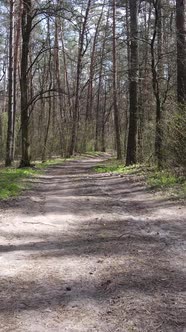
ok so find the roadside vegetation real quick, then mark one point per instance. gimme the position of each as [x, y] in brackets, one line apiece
[14, 180]
[167, 181]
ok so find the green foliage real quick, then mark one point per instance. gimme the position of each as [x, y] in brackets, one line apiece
[166, 181]
[14, 180]
[164, 178]
[176, 139]
[11, 181]
[50, 162]
[115, 166]
[160, 180]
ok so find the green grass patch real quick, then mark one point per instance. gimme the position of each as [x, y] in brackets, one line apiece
[12, 181]
[116, 166]
[164, 180]
[168, 182]
[48, 163]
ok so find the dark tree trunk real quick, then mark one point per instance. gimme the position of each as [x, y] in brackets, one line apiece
[156, 73]
[26, 32]
[49, 79]
[181, 50]
[10, 131]
[133, 86]
[17, 33]
[159, 131]
[115, 97]
[103, 148]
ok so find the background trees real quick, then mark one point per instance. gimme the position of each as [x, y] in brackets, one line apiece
[78, 76]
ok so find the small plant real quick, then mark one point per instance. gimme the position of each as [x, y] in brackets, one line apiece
[14, 180]
[164, 179]
[11, 181]
[160, 180]
[50, 162]
[115, 166]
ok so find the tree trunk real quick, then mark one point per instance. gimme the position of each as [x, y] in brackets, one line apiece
[115, 97]
[49, 79]
[10, 131]
[181, 50]
[156, 73]
[133, 85]
[97, 129]
[17, 31]
[61, 99]
[78, 78]
[26, 32]
[159, 132]
[103, 148]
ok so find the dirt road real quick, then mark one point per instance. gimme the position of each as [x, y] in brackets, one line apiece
[86, 252]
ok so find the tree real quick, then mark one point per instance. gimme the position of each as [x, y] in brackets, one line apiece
[115, 99]
[181, 50]
[86, 84]
[10, 131]
[155, 67]
[133, 84]
[26, 25]
[81, 53]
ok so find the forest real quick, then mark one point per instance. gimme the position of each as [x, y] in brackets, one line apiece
[79, 76]
[92, 165]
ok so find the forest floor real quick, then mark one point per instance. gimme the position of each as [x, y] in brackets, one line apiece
[88, 252]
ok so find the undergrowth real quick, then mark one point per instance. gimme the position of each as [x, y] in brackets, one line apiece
[164, 180]
[48, 163]
[11, 181]
[14, 180]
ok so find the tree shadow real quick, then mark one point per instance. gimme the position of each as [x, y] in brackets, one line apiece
[125, 254]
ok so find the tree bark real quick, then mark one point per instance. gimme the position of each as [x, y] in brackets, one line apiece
[10, 131]
[26, 32]
[133, 85]
[156, 73]
[115, 97]
[78, 78]
[49, 79]
[17, 32]
[181, 50]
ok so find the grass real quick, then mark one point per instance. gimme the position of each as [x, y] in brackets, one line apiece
[48, 163]
[168, 182]
[163, 180]
[11, 181]
[14, 180]
[116, 166]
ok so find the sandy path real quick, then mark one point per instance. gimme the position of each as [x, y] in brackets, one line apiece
[92, 253]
